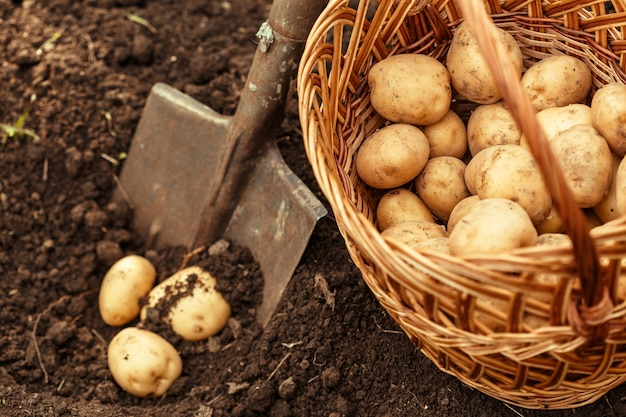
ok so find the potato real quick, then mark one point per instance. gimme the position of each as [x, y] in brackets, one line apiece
[143, 363]
[392, 156]
[195, 309]
[608, 114]
[491, 124]
[551, 224]
[620, 188]
[447, 137]
[441, 185]
[401, 205]
[125, 283]
[555, 120]
[586, 162]
[460, 210]
[607, 208]
[437, 244]
[557, 81]
[510, 171]
[413, 232]
[469, 73]
[492, 226]
[410, 88]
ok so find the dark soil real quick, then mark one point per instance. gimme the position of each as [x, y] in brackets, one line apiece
[324, 354]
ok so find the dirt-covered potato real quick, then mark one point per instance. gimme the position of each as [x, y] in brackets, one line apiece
[143, 363]
[441, 185]
[447, 137]
[126, 282]
[607, 209]
[392, 156]
[411, 233]
[460, 210]
[555, 120]
[493, 225]
[510, 171]
[489, 125]
[401, 205]
[557, 81]
[608, 114]
[469, 72]
[586, 161]
[194, 308]
[410, 88]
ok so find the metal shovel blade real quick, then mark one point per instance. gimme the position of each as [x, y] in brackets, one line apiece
[175, 158]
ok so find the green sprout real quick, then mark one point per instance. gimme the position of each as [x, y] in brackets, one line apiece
[52, 39]
[17, 130]
[143, 22]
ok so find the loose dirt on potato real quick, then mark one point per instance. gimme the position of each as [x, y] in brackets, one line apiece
[85, 70]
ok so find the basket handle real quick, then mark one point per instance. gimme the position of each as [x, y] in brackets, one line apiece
[597, 302]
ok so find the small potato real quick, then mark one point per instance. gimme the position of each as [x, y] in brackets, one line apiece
[586, 162]
[447, 137]
[491, 124]
[392, 156]
[557, 81]
[607, 208]
[195, 308]
[469, 72]
[555, 120]
[441, 185]
[460, 210]
[510, 171]
[125, 283]
[411, 233]
[608, 114]
[143, 363]
[410, 88]
[551, 224]
[493, 225]
[553, 239]
[401, 205]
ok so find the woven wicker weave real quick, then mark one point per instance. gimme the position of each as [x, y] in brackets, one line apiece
[471, 316]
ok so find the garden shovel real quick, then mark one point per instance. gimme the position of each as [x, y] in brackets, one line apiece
[193, 176]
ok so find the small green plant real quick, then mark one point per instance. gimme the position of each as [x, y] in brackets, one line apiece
[17, 130]
[143, 22]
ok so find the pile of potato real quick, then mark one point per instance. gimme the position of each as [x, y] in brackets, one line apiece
[473, 187]
[142, 362]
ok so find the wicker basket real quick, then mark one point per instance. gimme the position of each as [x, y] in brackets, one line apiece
[440, 301]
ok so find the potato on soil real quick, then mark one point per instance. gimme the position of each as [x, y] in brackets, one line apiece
[126, 282]
[510, 171]
[410, 88]
[413, 232]
[491, 124]
[447, 137]
[586, 162]
[492, 226]
[143, 363]
[608, 114]
[469, 72]
[557, 81]
[441, 185]
[194, 307]
[400, 205]
[392, 156]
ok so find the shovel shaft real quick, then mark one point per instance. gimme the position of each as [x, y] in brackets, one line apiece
[261, 107]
